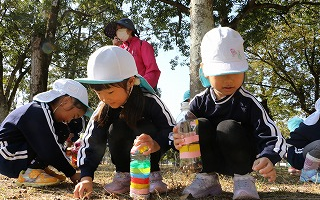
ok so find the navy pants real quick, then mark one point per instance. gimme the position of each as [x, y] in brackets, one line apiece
[227, 149]
[120, 140]
[313, 149]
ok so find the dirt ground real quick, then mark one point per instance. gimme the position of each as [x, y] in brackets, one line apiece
[286, 187]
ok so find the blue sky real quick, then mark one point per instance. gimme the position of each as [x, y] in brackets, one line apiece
[173, 83]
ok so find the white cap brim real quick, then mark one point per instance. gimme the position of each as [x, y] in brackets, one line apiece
[220, 68]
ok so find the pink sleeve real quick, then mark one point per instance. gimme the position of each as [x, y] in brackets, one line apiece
[152, 71]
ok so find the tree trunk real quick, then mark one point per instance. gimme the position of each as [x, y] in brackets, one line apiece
[201, 21]
[42, 48]
[37, 83]
[3, 101]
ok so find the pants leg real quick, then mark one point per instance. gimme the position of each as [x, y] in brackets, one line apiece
[207, 138]
[121, 138]
[12, 168]
[237, 147]
[37, 163]
[313, 149]
[226, 149]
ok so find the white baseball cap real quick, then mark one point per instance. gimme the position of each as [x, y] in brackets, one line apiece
[222, 52]
[112, 64]
[66, 86]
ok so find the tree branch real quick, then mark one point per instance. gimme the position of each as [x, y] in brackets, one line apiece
[252, 5]
[182, 8]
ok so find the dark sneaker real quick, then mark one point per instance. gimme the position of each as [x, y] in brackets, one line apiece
[244, 187]
[156, 184]
[36, 178]
[120, 183]
[204, 185]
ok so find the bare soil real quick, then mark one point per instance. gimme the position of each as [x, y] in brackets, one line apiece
[286, 187]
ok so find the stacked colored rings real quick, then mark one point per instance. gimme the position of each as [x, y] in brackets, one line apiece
[139, 172]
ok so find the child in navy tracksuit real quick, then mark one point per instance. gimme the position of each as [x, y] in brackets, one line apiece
[128, 109]
[236, 135]
[32, 136]
[304, 147]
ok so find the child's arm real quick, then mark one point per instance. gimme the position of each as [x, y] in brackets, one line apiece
[92, 149]
[162, 119]
[266, 168]
[40, 134]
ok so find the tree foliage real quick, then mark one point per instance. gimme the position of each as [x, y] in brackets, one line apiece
[281, 39]
[285, 65]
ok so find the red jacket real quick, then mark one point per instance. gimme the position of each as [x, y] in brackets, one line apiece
[143, 54]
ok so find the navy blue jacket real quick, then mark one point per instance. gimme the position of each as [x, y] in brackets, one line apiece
[299, 138]
[95, 137]
[28, 132]
[244, 108]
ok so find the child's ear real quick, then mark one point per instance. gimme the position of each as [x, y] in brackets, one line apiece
[67, 100]
[131, 81]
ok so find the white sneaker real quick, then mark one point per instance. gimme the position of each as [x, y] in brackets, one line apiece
[204, 185]
[120, 183]
[244, 187]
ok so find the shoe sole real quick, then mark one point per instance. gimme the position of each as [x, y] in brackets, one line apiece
[158, 190]
[118, 191]
[37, 184]
[309, 181]
[245, 195]
[210, 192]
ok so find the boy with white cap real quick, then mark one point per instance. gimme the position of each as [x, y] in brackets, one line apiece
[129, 114]
[30, 136]
[235, 133]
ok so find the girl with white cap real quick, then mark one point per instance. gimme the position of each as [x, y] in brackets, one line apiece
[128, 108]
[31, 136]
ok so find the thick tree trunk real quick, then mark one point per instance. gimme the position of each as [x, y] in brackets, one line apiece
[3, 101]
[42, 49]
[201, 21]
[4, 108]
[39, 69]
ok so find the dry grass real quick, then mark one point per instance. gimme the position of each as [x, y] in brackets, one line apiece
[286, 187]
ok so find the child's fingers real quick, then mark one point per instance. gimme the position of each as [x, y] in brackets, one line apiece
[271, 175]
[178, 141]
[257, 165]
[143, 139]
[266, 168]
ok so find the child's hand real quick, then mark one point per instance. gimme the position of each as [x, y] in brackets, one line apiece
[145, 140]
[265, 167]
[76, 146]
[84, 188]
[178, 139]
